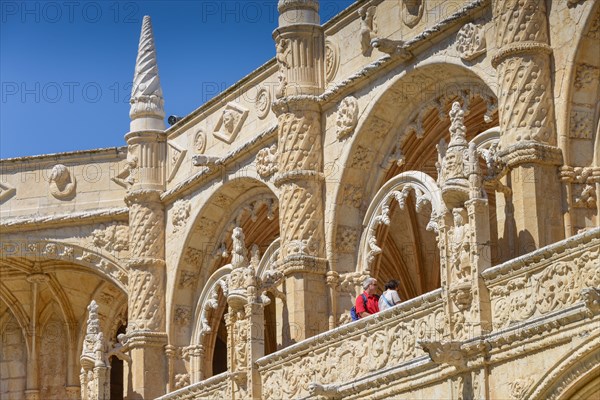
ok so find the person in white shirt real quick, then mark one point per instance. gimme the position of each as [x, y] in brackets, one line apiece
[390, 297]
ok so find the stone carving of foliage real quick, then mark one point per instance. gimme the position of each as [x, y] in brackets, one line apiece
[585, 196]
[263, 102]
[581, 123]
[519, 387]
[585, 74]
[111, 237]
[183, 315]
[146, 229]
[193, 256]
[62, 184]
[341, 356]
[332, 60]
[347, 239]
[555, 287]
[352, 195]
[187, 279]
[347, 117]
[182, 380]
[266, 161]
[470, 41]
[181, 213]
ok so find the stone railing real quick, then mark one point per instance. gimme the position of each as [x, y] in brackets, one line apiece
[546, 281]
[216, 387]
[357, 353]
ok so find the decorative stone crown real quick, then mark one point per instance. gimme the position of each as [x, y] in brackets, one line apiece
[284, 5]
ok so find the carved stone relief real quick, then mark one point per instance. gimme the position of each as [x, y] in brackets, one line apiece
[231, 122]
[200, 141]
[362, 158]
[263, 102]
[332, 60]
[368, 29]
[552, 288]
[193, 256]
[180, 214]
[585, 74]
[411, 12]
[266, 161]
[61, 184]
[127, 174]
[282, 50]
[581, 124]
[470, 41]
[353, 195]
[183, 315]
[176, 155]
[347, 239]
[114, 237]
[6, 192]
[347, 117]
[187, 279]
[146, 229]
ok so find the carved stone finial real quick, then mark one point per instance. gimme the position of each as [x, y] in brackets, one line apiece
[146, 95]
[239, 259]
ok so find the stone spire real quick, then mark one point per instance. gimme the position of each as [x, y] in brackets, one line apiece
[147, 101]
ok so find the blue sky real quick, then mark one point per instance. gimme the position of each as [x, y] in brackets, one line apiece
[66, 66]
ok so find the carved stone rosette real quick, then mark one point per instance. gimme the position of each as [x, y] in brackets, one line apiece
[526, 106]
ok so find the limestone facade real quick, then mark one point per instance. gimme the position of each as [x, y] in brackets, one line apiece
[451, 145]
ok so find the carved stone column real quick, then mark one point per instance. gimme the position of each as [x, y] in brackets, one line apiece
[527, 122]
[95, 369]
[146, 337]
[245, 321]
[36, 278]
[300, 44]
[464, 234]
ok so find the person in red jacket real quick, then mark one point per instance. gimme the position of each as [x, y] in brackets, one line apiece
[368, 302]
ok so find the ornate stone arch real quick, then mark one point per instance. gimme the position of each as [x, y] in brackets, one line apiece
[577, 372]
[399, 129]
[398, 191]
[208, 309]
[204, 250]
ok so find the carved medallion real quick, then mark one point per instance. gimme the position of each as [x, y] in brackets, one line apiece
[347, 117]
[263, 103]
[231, 122]
[266, 161]
[200, 141]
[411, 12]
[332, 60]
[470, 41]
[62, 184]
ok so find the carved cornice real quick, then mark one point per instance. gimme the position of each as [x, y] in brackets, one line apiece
[516, 49]
[27, 223]
[531, 153]
[206, 388]
[545, 255]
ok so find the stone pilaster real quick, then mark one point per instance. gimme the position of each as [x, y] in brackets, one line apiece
[527, 122]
